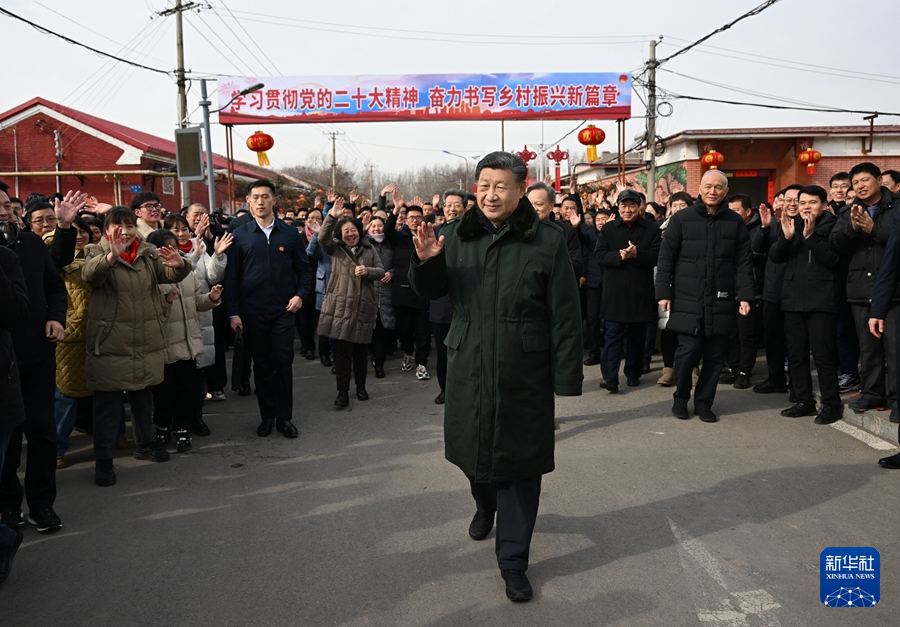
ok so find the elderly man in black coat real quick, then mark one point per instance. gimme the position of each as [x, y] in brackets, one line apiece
[628, 249]
[704, 270]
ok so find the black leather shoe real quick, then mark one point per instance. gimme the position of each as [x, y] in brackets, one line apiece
[829, 415]
[767, 387]
[518, 587]
[244, 388]
[289, 430]
[199, 427]
[891, 463]
[680, 410]
[481, 525]
[265, 427]
[727, 376]
[798, 410]
[439, 400]
[646, 368]
[7, 555]
[612, 386]
[742, 382]
[705, 414]
[633, 383]
[343, 398]
[379, 371]
[334, 370]
[592, 360]
[361, 393]
[326, 361]
[310, 355]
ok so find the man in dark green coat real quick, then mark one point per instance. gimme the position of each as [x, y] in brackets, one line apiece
[515, 340]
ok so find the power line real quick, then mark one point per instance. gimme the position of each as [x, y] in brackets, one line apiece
[450, 34]
[240, 39]
[481, 41]
[780, 107]
[756, 11]
[47, 31]
[253, 39]
[214, 47]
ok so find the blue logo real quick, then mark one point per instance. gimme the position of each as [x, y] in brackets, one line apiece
[136, 189]
[850, 576]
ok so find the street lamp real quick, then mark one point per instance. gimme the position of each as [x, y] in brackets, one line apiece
[466, 159]
[205, 103]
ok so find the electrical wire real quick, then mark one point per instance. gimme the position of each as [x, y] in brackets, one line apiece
[216, 48]
[567, 37]
[253, 39]
[780, 107]
[765, 5]
[99, 34]
[567, 42]
[47, 31]
[240, 39]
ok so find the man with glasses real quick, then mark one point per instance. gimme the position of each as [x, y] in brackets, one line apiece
[148, 209]
[267, 278]
[847, 342]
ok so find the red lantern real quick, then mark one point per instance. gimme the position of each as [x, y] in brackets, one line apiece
[259, 143]
[591, 136]
[713, 159]
[810, 158]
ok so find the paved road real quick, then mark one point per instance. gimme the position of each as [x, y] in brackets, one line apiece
[647, 520]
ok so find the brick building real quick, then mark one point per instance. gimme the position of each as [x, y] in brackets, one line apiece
[760, 161]
[107, 160]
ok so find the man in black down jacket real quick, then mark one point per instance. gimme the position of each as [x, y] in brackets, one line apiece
[864, 230]
[13, 318]
[704, 263]
[36, 350]
[810, 296]
[628, 248]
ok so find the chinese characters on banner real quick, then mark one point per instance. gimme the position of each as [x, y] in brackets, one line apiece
[427, 97]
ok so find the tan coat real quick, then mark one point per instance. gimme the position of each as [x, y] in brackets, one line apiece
[348, 310]
[125, 332]
[71, 352]
[183, 338]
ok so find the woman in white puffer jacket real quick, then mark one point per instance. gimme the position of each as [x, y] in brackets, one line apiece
[209, 270]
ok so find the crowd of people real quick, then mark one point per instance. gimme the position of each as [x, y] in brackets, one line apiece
[105, 306]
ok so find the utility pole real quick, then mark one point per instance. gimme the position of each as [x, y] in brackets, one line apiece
[334, 135]
[371, 168]
[651, 122]
[180, 81]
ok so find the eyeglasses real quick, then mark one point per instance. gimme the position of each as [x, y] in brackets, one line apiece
[314, 219]
[152, 207]
[47, 220]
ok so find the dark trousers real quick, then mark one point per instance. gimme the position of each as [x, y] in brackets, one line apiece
[516, 504]
[272, 342]
[175, 399]
[593, 297]
[847, 342]
[380, 339]
[307, 321]
[350, 355]
[108, 409]
[650, 331]
[668, 342]
[773, 333]
[623, 339]
[440, 334]
[414, 332]
[691, 349]
[817, 331]
[325, 344]
[38, 382]
[7, 535]
[742, 344]
[217, 374]
[875, 382]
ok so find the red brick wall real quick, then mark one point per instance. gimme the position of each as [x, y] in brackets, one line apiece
[33, 144]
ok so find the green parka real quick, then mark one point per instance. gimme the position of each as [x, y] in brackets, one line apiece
[126, 347]
[515, 339]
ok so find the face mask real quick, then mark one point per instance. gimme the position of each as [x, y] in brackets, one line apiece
[378, 237]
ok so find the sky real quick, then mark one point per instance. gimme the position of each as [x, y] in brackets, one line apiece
[828, 53]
